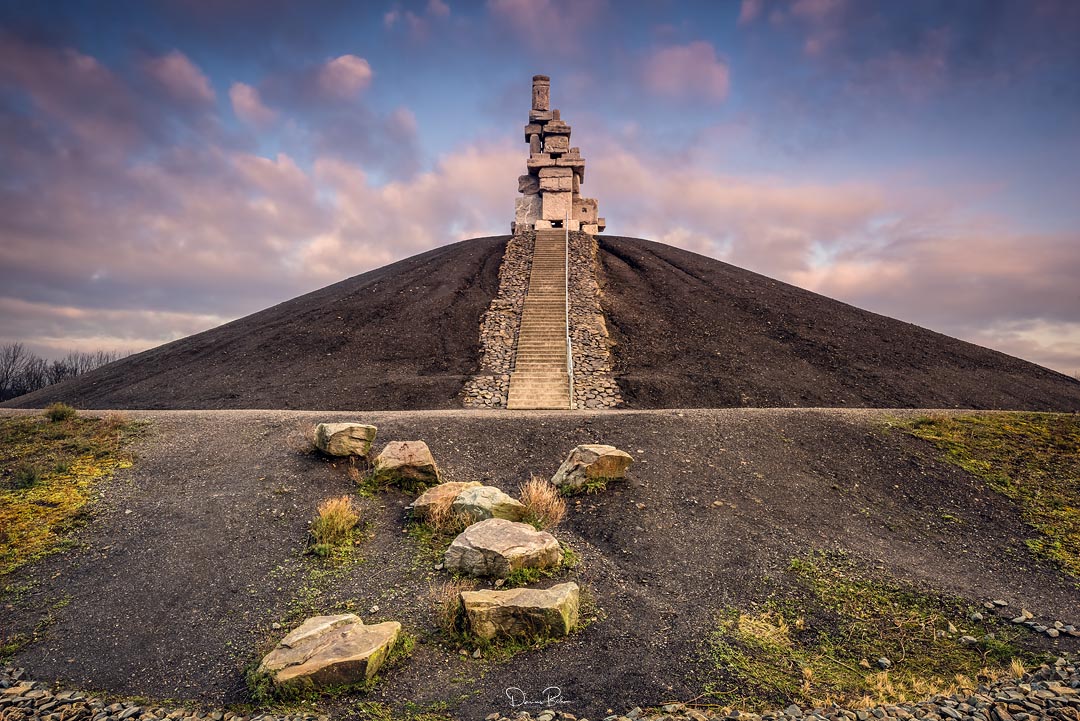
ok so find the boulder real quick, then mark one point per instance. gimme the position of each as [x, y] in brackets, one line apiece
[521, 612]
[483, 502]
[591, 462]
[407, 463]
[440, 495]
[344, 439]
[497, 547]
[330, 651]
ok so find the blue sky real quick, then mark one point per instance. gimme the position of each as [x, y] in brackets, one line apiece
[168, 166]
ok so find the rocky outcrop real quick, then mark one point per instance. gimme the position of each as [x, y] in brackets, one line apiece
[408, 464]
[440, 496]
[588, 463]
[497, 547]
[521, 612]
[330, 651]
[344, 439]
[482, 502]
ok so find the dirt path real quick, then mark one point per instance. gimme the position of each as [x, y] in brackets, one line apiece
[193, 554]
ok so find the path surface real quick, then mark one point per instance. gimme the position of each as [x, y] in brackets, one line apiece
[540, 378]
[195, 552]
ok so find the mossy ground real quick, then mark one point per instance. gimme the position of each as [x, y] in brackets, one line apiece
[1032, 459]
[49, 471]
[821, 643]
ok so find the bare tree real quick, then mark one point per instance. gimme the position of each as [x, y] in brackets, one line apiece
[23, 372]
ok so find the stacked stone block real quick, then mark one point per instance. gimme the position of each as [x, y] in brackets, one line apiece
[551, 190]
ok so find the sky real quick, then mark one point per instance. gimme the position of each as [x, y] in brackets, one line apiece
[168, 166]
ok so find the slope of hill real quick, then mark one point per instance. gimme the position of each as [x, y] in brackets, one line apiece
[691, 331]
[398, 337]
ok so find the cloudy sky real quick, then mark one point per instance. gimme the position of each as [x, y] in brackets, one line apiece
[168, 166]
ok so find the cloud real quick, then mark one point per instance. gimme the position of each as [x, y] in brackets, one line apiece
[248, 106]
[345, 76]
[750, 10]
[553, 25]
[72, 89]
[886, 249]
[438, 8]
[180, 77]
[691, 72]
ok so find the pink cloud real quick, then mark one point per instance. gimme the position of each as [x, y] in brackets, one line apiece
[74, 89]
[181, 78]
[248, 105]
[345, 76]
[438, 8]
[750, 10]
[690, 71]
[572, 18]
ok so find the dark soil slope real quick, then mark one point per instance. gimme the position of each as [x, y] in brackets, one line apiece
[691, 332]
[694, 332]
[195, 553]
[402, 336]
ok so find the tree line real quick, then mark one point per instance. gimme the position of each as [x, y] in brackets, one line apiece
[22, 371]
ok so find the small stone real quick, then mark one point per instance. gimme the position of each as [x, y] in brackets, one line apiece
[330, 651]
[884, 663]
[482, 502]
[1000, 602]
[976, 617]
[497, 547]
[344, 439]
[1052, 632]
[793, 711]
[407, 463]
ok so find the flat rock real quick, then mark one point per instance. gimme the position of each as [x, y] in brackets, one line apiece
[407, 463]
[497, 547]
[482, 502]
[522, 612]
[442, 494]
[330, 651]
[591, 462]
[344, 439]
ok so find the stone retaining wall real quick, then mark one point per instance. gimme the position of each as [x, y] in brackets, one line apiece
[594, 383]
[499, 327]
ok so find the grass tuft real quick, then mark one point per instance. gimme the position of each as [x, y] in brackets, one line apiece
[544, 505]
[58, 412]
[446, 597]
[334, 524]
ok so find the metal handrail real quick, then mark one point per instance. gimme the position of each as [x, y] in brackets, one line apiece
[566, 295]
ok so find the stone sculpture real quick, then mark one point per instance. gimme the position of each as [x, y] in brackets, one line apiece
[551, 189]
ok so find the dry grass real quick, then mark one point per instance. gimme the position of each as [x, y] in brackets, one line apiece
[545, 505]
[441, 518]
[446, 597]
[335, 523]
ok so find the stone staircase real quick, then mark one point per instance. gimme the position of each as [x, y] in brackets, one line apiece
[540, 378]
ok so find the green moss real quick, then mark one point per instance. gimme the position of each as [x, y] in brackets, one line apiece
[821, 643]
[590, 486]
[527, 576]
[1031, 458]
[49, 471]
